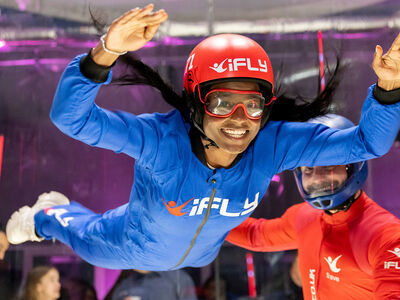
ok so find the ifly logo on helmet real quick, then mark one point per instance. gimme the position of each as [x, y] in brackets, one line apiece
[233, 65]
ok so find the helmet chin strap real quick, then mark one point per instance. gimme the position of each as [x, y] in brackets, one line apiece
[211, 142]
[202, 133]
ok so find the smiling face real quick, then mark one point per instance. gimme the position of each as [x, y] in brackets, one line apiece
[49, 286]
[232, 134]
[320, 180]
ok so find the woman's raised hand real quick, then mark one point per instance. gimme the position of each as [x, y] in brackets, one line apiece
[129, 32]
[387, 66]
[134, 29]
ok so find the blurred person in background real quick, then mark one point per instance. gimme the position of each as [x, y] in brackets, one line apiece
[209, 289]
[42, 283]
[77, 289]
[148, 285]
[8, 281]
[4, 244]
[284, 280]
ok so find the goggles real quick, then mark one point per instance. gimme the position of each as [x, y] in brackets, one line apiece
[327, 185]
[222, 103]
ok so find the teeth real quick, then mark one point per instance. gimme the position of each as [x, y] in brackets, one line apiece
[235, 133]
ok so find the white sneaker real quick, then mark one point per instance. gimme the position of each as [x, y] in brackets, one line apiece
[21, 226]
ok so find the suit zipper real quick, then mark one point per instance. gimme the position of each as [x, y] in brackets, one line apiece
[203, 222]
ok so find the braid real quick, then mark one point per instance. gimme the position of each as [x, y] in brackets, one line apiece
[299, 109]
[139, 73]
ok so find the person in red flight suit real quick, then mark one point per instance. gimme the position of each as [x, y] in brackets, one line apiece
[349, 246]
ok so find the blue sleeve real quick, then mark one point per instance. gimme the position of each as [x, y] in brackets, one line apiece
[75, 113]
[306, 144]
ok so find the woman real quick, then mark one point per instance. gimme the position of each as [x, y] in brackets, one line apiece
[201, 169]
[42, 283]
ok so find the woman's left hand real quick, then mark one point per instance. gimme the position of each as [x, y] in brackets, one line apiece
[387, 66]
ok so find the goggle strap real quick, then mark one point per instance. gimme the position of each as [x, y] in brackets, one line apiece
[273, 98]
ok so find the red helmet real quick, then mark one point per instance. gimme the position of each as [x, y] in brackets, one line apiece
[227, 56]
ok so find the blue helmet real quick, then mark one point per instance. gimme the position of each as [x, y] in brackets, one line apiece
[356, 173]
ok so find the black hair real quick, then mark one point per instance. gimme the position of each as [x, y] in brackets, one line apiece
[138, 73]
[300, 109]
[287, 108]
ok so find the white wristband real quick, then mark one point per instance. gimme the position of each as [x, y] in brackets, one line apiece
[103, 43]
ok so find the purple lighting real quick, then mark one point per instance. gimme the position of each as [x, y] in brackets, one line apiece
[31, 62]
[277, 179]
[22, 4]
[2, 43]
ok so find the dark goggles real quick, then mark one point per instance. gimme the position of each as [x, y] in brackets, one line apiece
[222, 103]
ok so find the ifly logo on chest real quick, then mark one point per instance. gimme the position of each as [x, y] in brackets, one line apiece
[200, 206]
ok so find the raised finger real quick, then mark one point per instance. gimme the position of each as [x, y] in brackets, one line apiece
[127, 15]
[377, 61]
[157, 17]
[132, 14]
[395, 44]
[145, 10]
[140, 13]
